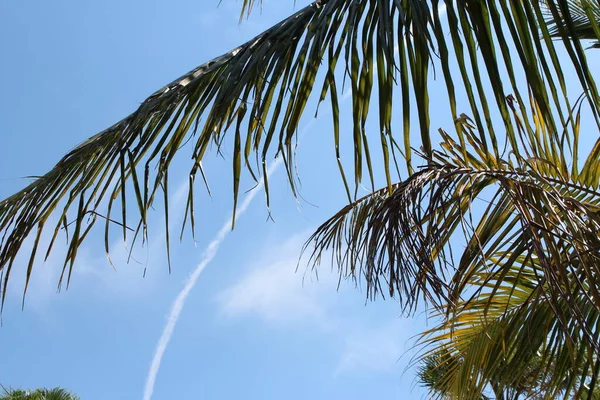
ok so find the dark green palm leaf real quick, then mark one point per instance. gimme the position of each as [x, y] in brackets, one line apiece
[584, 17]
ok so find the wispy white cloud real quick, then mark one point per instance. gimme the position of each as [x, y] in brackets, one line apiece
[136, 272]
[272, 289]
[92, 272]
[126, 277]
[377, 349]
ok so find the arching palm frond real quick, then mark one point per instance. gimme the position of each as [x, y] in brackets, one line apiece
[582, 22]
[259, 91]
[530, 258]
[400, 241]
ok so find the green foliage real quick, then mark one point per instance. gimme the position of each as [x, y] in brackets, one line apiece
[255, 95]
[38, 394]
[524, 283]
[584, 16]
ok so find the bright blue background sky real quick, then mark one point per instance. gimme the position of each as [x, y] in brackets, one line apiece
[250, 329]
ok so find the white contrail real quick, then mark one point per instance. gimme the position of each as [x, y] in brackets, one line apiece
[207, 257]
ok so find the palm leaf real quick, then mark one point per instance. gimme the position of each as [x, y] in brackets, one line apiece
[403, 238]
[247, 7]
[261, 90]
[38, 394]
[530, 260]
[507, 339]
[582, 21]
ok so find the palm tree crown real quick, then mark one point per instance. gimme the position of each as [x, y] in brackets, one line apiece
[38, 394]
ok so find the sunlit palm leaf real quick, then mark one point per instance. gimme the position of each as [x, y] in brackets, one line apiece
[508, 340]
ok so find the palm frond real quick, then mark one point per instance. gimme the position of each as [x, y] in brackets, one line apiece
[433, 374]
[38, 394]
[260, 90]
[582, 22]
[250, 85]
[530, 260]
[401, 241]
[511, 339]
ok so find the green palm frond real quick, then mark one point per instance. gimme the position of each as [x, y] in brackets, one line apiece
[401, 241]
[582, 22]
[38, 394]
[248, 88]
[530, 256]
[433, 373]
[508, 340]
[254, 97]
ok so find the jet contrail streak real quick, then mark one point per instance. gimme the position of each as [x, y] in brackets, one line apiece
[209, 253]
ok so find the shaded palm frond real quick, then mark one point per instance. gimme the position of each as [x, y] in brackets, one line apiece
[260, 91]
[432, 374]
[401, 241]
[583, 19]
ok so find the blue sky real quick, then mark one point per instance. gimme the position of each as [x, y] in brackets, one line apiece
[252, 328]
